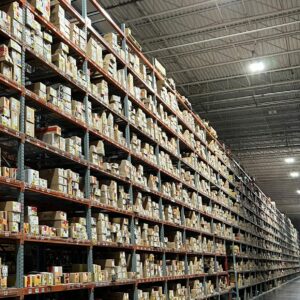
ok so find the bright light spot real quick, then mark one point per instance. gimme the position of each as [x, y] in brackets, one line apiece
[294, 174]
[298, 192]
[289, 160]
[256, 67]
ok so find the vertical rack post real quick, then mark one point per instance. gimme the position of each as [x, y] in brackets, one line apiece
[127, 137]
[21, 167]
[87, 186]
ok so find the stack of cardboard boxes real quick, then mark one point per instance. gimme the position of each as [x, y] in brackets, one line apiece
[113, 195]
[59, 20]
[148, 265]
[115, 267]
[195, 266]
[192, 219]
[97, 153]
[210, 288]
[5, 21]
[175, 267]
[112, 229]
[43, 7]
[112, 39]
[172, 214]
[78, 37]
[30, 121]
[172, 189]
[10, 113]
[56, 276]
[31, 222]
[3, 274]
[115, 104]
[205, 226]
[65, 181]
[145, 206]
[166, 163]
[77, 228]
[193, 244]
[10, 216]
[155, 293]
[94, 51]
[110, 65]
[208, 245]
[32, 177]
[174, 240]
[15, 12]
[105, 124]
[147, 235]
[38, 40]
[197, 290]
[178, 292]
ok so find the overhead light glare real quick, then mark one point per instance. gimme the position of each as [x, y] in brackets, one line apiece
[298, 192]
[294, 174]
[289, 160]
[256, 67]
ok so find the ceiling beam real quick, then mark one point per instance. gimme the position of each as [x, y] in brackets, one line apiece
[233, 62]
[258, 97]
[172, 11]
[230, 45]
[223, 37]
[258, 86]
[225, 25]
[237, 76]
[252, 106]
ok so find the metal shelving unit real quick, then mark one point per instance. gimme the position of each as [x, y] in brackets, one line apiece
[253, 208]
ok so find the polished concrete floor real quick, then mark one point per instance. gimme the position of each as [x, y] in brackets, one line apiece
[290, 291]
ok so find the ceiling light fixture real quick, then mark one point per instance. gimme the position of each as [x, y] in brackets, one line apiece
[294, 174]
[256, 67]
[289, 160]
[298, 192]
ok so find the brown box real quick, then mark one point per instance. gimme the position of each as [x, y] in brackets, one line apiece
[74, 278]
[53, 216]
[29, 128]
[30, 114]
[10, 206]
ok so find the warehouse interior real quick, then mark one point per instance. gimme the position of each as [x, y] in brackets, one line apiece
[149, 149]
[208, 47]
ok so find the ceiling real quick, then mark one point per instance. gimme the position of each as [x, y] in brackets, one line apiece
[207, 46]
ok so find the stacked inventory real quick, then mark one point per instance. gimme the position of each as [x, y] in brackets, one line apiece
[113, 182]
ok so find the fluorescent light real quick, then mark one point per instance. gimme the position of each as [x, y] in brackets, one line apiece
[294, 174]
[257, 66]
[298, 192]
[289, 160]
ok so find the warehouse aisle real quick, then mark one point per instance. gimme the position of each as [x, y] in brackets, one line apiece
[290, 291]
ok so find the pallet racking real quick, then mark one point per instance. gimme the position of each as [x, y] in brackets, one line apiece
[253, 230]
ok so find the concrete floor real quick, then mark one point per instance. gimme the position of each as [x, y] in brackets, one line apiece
[290, 291]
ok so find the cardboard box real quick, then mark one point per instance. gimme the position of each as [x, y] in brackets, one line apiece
[74, 277]
[30, 114]
[63, 233]
[6, 69]
[29, 129]
[56, 270]
[32, 176]
[14, 105]
[32, 220]
[13, 226]
[12, 206]
[53, 216]
[15, 11]
[15, 120]
[56, 224]
[13, 217]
